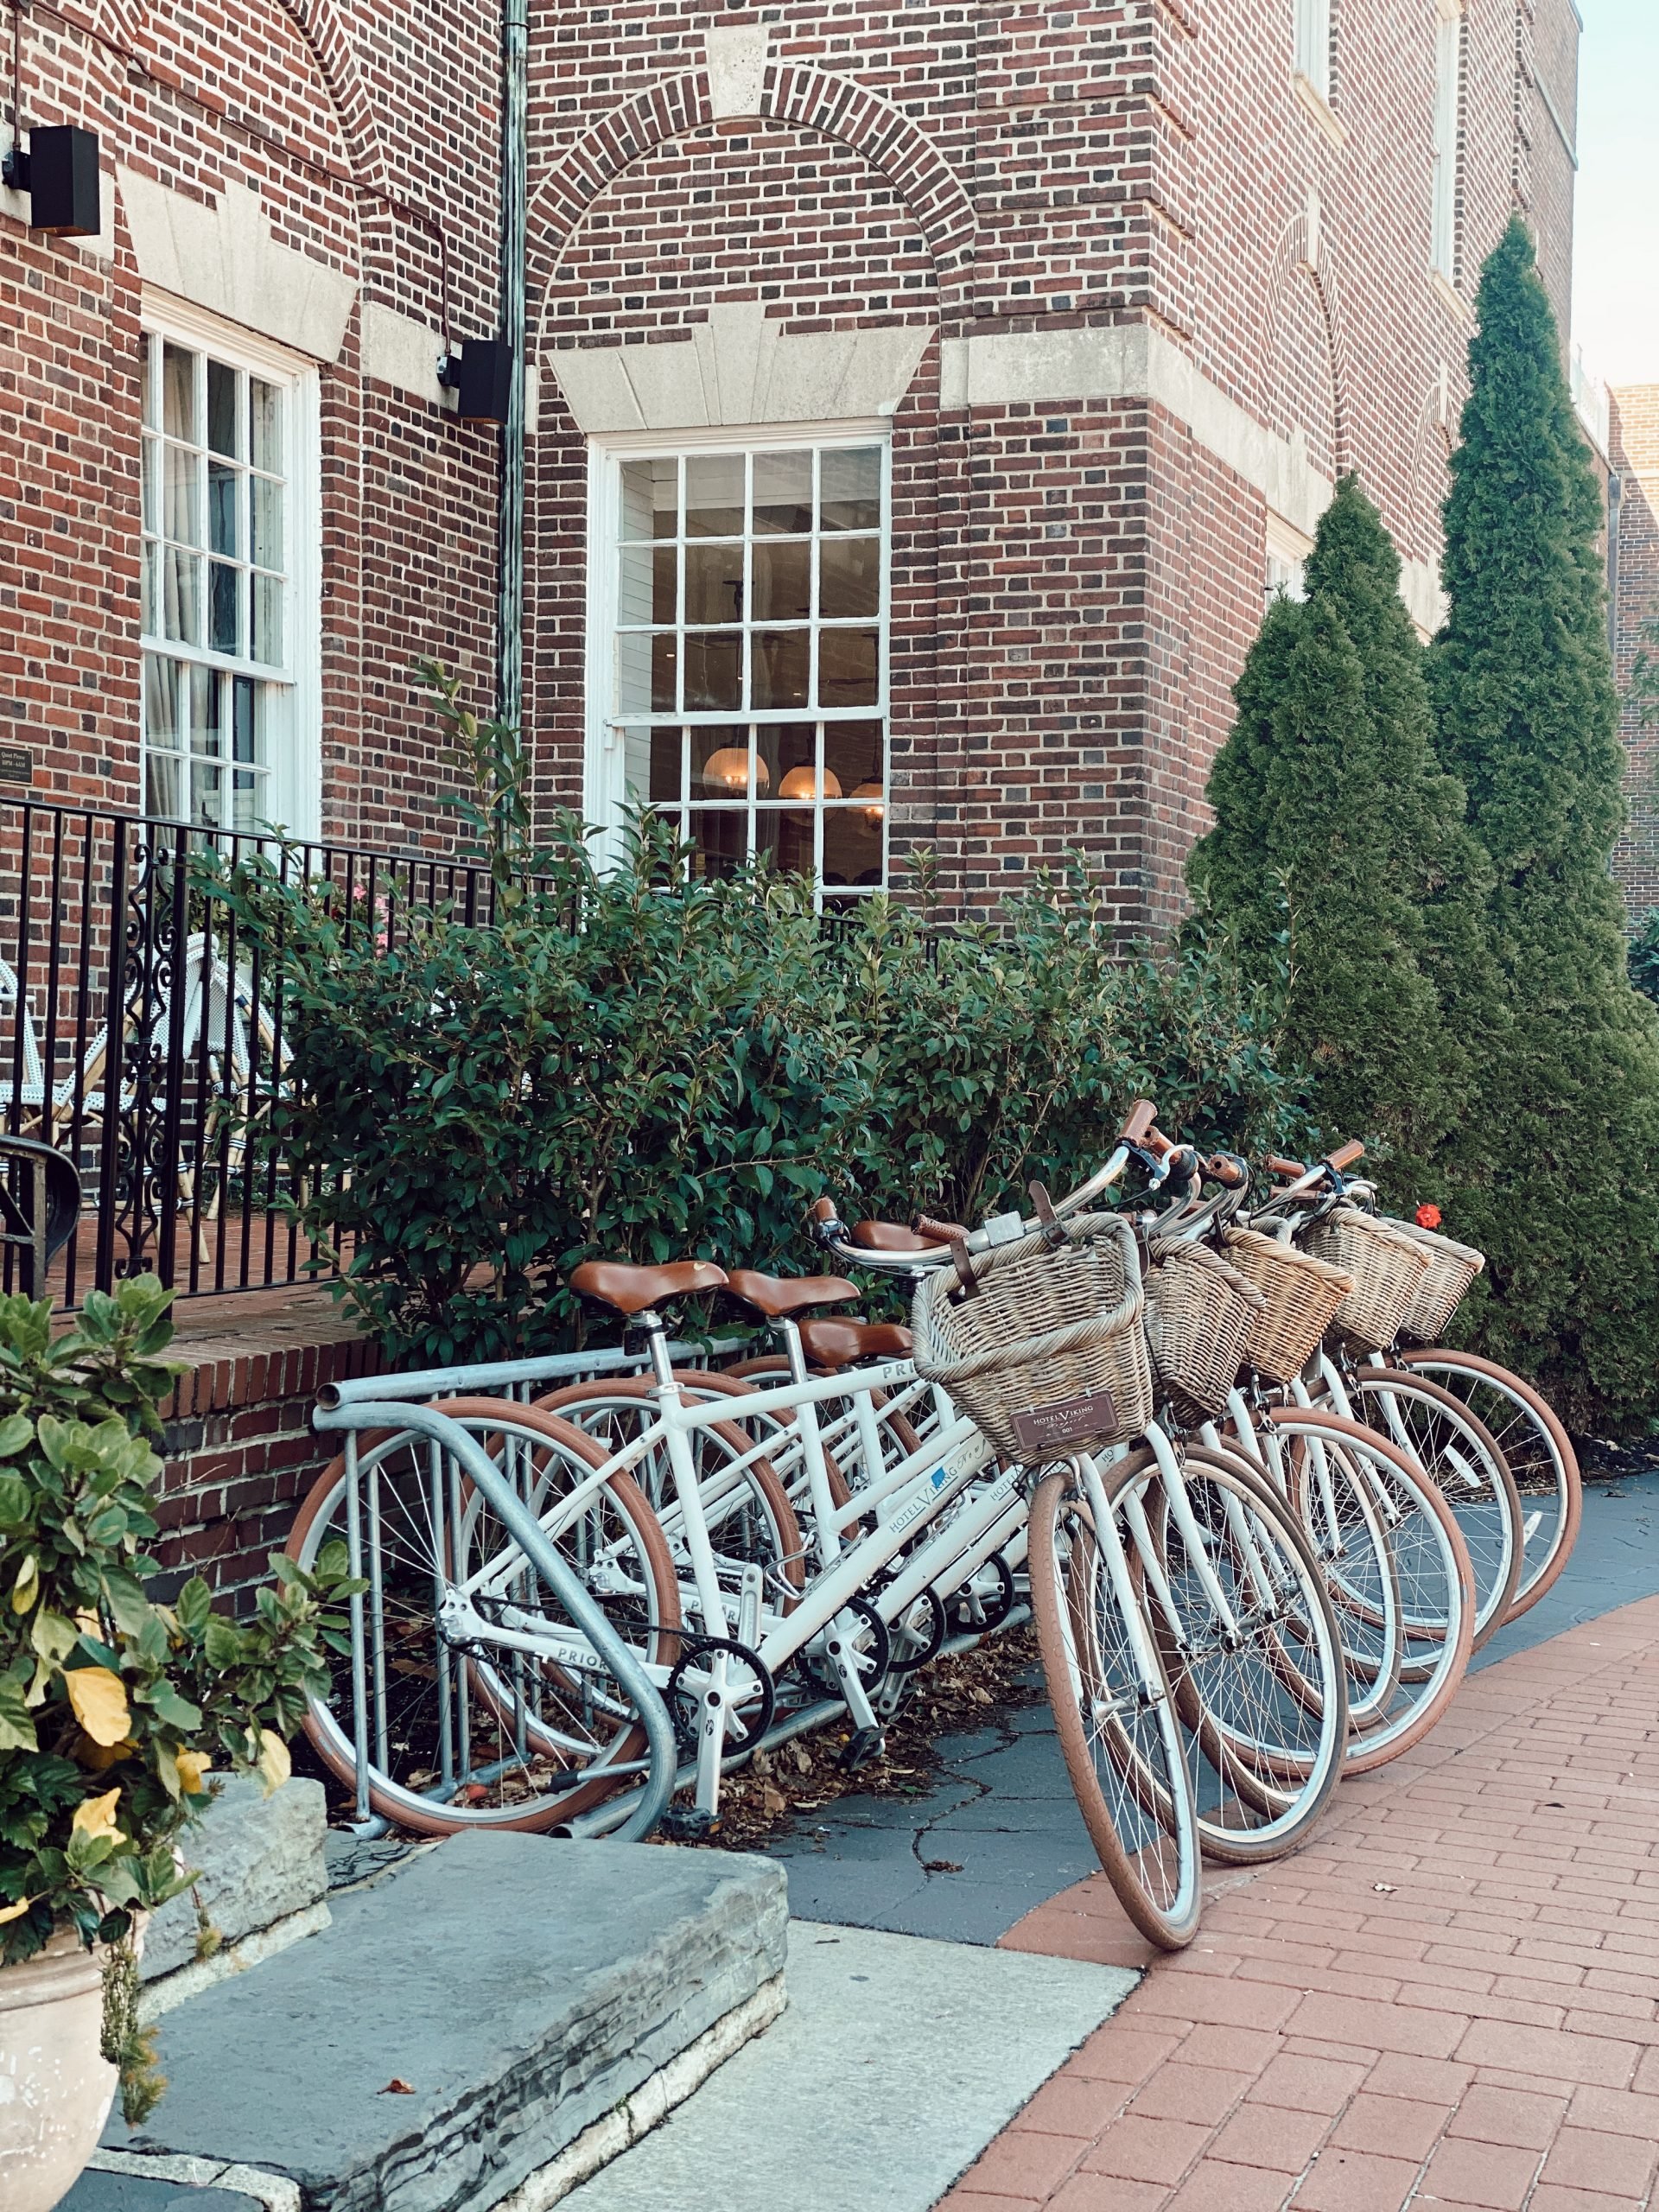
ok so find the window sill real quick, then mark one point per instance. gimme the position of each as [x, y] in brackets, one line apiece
[1449, 295]
[1319, 109]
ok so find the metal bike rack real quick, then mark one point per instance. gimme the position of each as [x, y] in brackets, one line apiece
[384, 1401]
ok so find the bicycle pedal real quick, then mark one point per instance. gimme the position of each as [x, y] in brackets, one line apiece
[864, 1745]
[686, 1824]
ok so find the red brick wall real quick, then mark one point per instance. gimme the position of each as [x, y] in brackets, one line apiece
[341, 115]
[1636, 461]
[1098, 570]
[240, 1451]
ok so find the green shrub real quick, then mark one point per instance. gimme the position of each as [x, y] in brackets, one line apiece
[1643, 958]
[475, 1110]
[1555, 1173]
[112, 1708]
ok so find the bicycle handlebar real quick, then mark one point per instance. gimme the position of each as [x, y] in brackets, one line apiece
[938, 1232]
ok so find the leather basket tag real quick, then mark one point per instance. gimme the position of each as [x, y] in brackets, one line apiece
[1091, 1418]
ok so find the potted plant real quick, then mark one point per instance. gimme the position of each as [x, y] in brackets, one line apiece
[113, 1709]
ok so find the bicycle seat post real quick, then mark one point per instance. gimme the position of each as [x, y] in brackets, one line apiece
[656, 1330]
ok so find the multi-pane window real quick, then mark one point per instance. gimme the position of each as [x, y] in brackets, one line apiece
[218, 445]
[1313, 44]
[748, 676]
[1448, 71]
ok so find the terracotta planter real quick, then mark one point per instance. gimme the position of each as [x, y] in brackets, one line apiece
[56, 2090]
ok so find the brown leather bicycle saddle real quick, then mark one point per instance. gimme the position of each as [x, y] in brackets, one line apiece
[833, 1343]
[630, 1289]
[776, 1295]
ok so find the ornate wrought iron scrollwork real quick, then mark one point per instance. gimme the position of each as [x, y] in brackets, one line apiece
[144, 1074]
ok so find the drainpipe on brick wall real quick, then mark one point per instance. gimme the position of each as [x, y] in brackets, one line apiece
[510, 597]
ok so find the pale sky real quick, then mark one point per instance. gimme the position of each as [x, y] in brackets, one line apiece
[1615, 249]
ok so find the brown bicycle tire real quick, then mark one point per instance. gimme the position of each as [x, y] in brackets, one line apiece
[635, 1507]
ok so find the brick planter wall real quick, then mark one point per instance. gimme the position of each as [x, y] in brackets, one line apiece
[238, 1445]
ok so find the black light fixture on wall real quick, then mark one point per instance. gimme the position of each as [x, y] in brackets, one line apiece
[61, 174]
[479, 373]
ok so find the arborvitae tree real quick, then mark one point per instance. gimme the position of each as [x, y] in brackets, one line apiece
[1555, 1172]
[1433, 858]
[1337, 836]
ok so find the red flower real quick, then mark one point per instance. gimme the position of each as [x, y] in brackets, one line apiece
[1428, 1217]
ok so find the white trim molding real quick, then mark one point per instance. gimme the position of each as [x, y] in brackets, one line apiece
[739, 370]
[400, 351]
[1133, 361]
[223, 257]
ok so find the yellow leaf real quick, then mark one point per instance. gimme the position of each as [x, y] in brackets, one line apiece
[274, 1766]
[100, 1703]
[97, 1757]
[23, 1589]
[192, 1771]
[96, 1816]
[15, 1911]
[88, 1623]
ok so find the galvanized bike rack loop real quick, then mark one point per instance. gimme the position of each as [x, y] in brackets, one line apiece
[385, 1401]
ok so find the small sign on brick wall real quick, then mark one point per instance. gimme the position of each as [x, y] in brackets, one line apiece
[16, 765]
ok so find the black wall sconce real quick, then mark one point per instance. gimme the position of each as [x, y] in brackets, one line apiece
[60, 172]
[481, 374]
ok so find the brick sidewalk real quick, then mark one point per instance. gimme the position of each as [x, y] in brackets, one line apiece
[1447, 1997]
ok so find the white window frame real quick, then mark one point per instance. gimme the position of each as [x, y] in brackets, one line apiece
[1448, 100]
[296, 778]
[1313, 44]
[604, 795]
[1287, 549]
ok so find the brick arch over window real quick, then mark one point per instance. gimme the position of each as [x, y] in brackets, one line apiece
[325, 33]
[836, 106]
[319, 24]
[1301, 256]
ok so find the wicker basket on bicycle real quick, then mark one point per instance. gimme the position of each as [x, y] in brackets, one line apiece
[1300, 1297]
[1387, 1266]
[1046, 1352]
[1451, 1268]
[1199, 1316]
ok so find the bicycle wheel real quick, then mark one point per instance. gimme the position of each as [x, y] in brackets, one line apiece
[751, 1521]
[1540, 1453]
[1113, 1708]
[1259, 1681]
[464, 1734]
[1338, 1508]
[1460, 1456]
[1430, 1562]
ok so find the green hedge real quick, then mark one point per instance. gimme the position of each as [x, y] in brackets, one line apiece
[475, 1110]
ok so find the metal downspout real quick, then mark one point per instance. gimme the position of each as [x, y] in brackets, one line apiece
[510, 596]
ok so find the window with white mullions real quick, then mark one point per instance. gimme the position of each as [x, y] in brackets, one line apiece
[219, 460]
[1313, 44]
[749, 689]
[1448, 77]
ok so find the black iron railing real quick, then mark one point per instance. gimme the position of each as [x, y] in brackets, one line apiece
[143, 1036]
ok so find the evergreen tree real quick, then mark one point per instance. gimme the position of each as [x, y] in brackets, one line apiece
[1554, 1173]
[1338, 849]
[1432, 857]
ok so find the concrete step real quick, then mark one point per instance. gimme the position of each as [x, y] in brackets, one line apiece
[529, 1992]
[897, 2060]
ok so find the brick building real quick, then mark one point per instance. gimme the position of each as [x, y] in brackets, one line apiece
[919, 400]
[1634, 455]
[920, 397]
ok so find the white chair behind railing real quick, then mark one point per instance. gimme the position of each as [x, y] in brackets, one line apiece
[220, 1016]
